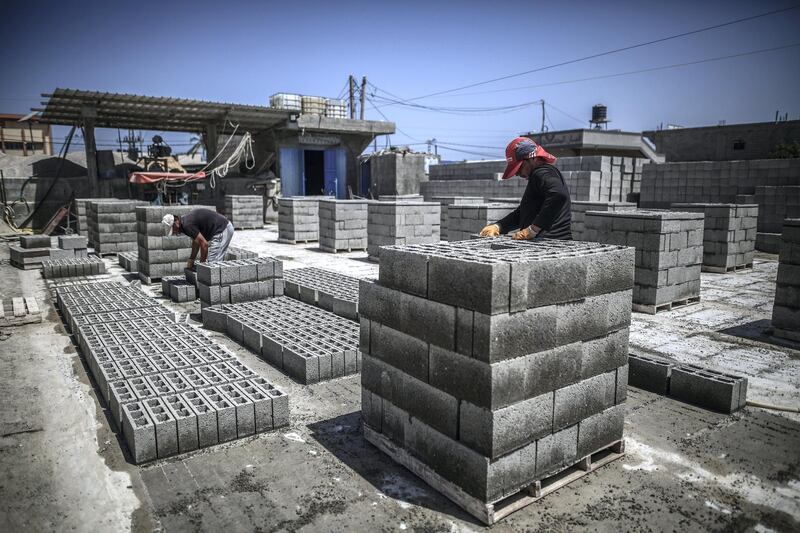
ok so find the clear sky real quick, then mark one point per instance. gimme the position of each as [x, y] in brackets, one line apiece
[243, 52]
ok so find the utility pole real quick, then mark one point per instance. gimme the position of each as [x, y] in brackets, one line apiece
[352, 97]
[542, 130]
[363, 94]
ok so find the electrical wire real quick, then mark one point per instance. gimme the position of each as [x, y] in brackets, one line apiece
[630, 72]
[607, 52]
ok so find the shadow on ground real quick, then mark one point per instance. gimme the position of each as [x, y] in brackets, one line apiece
[343, 437]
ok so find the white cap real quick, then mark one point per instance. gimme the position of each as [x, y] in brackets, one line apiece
[168, 220]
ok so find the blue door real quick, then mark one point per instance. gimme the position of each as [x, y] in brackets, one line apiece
[291, 169]
[341, 173]
[330, 173]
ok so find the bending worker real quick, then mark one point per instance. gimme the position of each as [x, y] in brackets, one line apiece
[545, 209]
[211, 233]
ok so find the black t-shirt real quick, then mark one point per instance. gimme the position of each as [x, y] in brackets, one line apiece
[545, 204]
[204, 221]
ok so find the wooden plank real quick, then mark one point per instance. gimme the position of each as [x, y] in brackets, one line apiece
[490, 513]
[33, 307]
[18, 306]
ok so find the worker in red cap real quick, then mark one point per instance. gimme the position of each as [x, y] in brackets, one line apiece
[545, 209]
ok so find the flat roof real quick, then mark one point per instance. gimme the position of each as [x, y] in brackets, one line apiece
[159, 113]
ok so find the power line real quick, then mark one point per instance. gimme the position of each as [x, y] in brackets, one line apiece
[631, 72]
[608, 52]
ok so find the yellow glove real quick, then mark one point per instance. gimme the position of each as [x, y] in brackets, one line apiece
[492, 230]
[524, 234]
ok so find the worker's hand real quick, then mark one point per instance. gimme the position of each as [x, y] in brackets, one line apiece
[492, 230]
[524, 234]
[190, 264]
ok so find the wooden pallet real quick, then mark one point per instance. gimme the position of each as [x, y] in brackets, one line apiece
[290, 241]
[342, 250]
[490, 513]
[669, 306]
[723, 270]
[19, 311]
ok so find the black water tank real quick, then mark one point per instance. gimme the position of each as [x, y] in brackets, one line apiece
[599, 113]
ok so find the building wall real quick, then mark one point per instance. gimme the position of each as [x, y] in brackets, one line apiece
[724, 143]
[24, 138]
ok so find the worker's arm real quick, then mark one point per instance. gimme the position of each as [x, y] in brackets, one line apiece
[202, 244]
[511, 221]
[555, 194]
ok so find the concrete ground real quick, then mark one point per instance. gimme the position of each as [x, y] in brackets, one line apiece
[64, 466]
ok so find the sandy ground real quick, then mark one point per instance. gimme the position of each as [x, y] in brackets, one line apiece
[64, 466]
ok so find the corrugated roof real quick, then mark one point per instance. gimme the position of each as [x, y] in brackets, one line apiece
[114, 110]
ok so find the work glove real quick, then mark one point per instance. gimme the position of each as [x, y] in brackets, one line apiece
[524, 234]
[492, 230]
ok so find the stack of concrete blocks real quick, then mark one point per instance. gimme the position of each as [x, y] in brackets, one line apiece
[400, 198]
[620, 177]
[775, 204]
[77, 243]
[342, 225]
[406, 222]
[669, 253]
[32, 250]
[446, 201]
[488, 188]
[169, 388]
[464, 221]
[589, 178]
[245, 211]
[160, 253]
[129, 261]
[112, 225]
[579, 210]
[178, 289]
[81, 266]
[729, 235]
[241, 280]
[786, 310]
[298, 219]
[496, 363]
[306, 342]
[82, 213]
[234, 252]
[396, 172]
[331, 291]
[772, 182]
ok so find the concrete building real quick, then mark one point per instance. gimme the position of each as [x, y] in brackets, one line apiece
[725, 143]
[583, 142]
[24, 137]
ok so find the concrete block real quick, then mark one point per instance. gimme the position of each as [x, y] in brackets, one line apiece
[139, 432]
[721, 392]
[649, 373]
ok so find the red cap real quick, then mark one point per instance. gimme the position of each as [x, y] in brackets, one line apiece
[519, 150]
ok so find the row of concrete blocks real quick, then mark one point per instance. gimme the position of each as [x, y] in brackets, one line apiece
[235, 252]
[129, 261]
[463, 221]
[332, 291]
[239, 271]
[719, 391]
[178, 289]
[167, 421]
[239, 292]
[579, 209]
[445, 202]
[82, 212]
[777, 204]
[499, 275]
[505, 393]
[669, 250]
[309, 344]
[63, 268]
[786, 310]
[29, 258]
